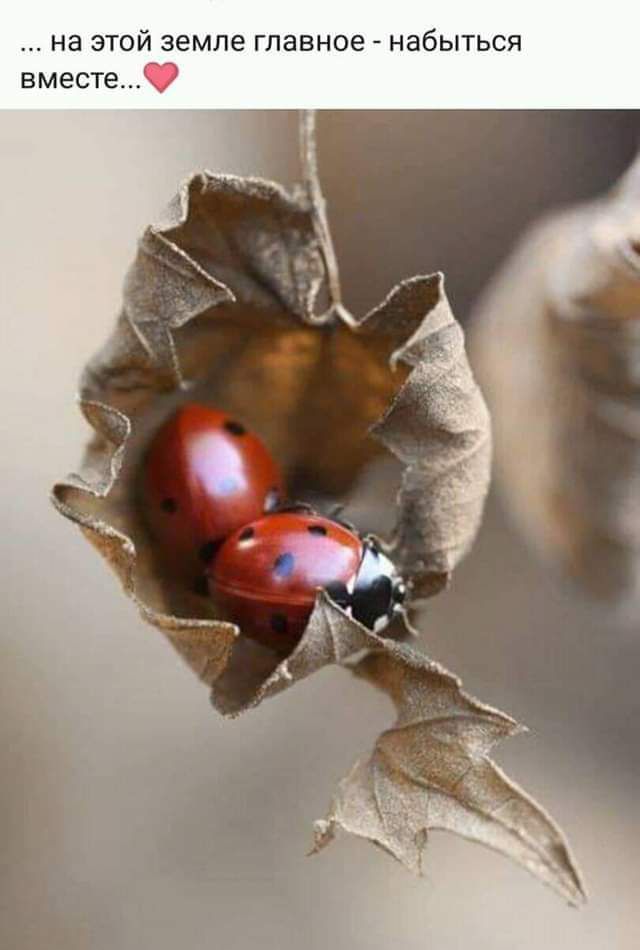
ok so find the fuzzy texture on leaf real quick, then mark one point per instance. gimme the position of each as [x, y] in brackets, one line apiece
[431, 770]
[556, 342]
[220, 307]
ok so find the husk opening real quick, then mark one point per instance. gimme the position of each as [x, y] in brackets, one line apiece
[219, 307]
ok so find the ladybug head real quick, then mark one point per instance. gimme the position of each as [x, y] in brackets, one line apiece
[378, 590]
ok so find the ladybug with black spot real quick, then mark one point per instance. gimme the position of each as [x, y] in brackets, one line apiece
[267, 575]
[205, 475]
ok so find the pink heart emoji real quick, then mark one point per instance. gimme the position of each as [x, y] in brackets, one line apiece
[160, 75]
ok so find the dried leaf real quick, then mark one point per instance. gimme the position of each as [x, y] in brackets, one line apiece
[557, 345]
[432, 770]
[219, 304]
[443, 490]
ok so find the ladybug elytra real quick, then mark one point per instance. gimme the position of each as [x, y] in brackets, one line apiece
[267, 574]
[205, 476]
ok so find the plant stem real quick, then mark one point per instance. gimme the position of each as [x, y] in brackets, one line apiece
[311, 179]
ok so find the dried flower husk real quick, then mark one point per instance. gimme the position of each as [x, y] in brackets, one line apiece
[556, 342]
[220, 306]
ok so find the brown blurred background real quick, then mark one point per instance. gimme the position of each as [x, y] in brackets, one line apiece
[131, 815]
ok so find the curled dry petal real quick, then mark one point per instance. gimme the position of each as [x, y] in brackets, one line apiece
[557, 345]
[440, 408]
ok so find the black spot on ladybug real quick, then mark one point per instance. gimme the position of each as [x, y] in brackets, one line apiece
[228, 486]
[338, 592]
[235, 428]
[200, 586]
[208, 551]
[317, 529]
[284, 564]
[272, 499]
[170, 505]
[279, 623]
[246, 535]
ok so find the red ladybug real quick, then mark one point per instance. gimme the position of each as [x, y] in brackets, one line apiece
[205, 475]
[267, 574]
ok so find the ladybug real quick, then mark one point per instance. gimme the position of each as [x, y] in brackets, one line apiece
[205, 475]
[267, 574]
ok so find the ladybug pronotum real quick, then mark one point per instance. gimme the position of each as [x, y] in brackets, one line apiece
[267, 575]
[205, 475]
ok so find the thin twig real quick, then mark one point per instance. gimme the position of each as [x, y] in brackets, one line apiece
[311, 179]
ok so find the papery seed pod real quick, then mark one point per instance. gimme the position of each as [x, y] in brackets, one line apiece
[557, 345]
[328, 397]
[220, 308]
